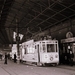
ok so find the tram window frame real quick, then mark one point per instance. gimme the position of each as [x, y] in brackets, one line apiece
[27, 49]
[25, 52]
[56, 47]
[30, 49]
[35, 48]
[49, 48]
[43, 47]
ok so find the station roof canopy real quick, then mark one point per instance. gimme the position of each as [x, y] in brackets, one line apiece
[32, 16]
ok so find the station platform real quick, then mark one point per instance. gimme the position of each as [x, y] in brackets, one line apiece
[67, 67]
[12, 68]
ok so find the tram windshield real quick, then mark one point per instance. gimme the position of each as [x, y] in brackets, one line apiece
[51, 47]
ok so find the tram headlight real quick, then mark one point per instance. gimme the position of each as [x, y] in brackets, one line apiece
[56, 56]
[51, 58]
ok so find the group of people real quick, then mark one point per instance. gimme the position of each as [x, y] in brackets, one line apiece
[7, 56]
[67, 58]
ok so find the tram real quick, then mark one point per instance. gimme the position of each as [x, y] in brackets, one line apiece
[40, 52]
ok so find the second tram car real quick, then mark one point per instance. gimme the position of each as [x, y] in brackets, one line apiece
[68, 45]
[40, 52]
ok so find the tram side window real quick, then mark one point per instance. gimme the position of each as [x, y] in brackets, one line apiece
[25, 51]
[56, 47]
[35, 48]
[43, 47]
[30, 50]
[50, 48]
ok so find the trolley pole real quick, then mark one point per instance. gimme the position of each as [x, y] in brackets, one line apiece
[17, 41]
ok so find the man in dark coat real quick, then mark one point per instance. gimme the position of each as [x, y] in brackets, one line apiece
[71, 58]
[6, 56]
[15, 57]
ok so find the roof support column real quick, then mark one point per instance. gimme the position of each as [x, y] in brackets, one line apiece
[17, 42]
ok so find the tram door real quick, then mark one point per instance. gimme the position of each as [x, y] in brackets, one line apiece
[38, 52]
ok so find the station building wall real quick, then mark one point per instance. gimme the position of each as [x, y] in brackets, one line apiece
[59, 31]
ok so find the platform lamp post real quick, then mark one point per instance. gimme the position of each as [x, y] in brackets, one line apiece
[17, 41]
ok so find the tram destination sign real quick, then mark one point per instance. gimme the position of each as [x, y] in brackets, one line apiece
[68, 40]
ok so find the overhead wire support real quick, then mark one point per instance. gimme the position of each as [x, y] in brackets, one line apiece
[49, 2]
[17, 40]
[39, 14]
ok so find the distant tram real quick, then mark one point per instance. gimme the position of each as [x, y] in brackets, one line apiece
[40, 52]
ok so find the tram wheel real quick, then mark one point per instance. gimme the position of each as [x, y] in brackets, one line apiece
[39, 64]
[43, 64]
[55, 64]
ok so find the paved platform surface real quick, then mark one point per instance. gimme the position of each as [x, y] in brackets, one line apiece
[67, 67]
[19, 69]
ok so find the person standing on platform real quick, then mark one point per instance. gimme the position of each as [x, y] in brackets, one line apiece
[6, 56]
[15, 58]
[71, 58]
